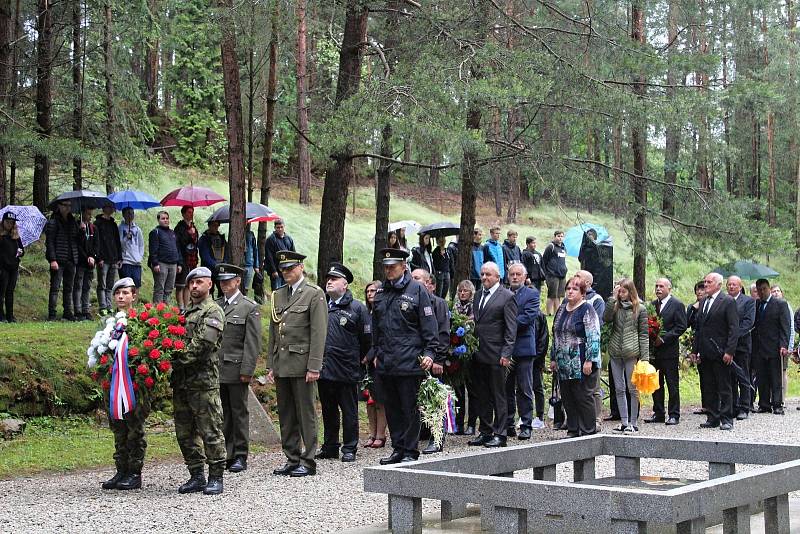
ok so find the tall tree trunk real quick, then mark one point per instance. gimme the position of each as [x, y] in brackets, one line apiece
[726, 113]
[108, 53]
[251, 96]
[234, 134]
[703, 179]
[12, 101]
[469, 197]
[639, 149]
[77, 90]
[673, 132]
[513, 170]
[793, 103]
[340, 171]
[383, 187]
[771, 187]
[5, 83]
[44, 101]
[497, 170]
[436, 160]
[269, 124]
[151, 62]
[166, 66]
[303, 157]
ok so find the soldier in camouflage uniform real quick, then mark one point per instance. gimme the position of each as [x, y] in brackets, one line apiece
[129, 441]
[195, 389]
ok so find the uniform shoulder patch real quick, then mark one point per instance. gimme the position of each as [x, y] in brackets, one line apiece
[213, 322]
[428, 311]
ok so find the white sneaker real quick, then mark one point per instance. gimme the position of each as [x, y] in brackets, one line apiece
[537, 424]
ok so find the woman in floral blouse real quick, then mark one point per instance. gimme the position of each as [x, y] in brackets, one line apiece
[575, 356]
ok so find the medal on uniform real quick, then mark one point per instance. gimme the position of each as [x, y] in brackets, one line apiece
[342, 321]
[404, 306]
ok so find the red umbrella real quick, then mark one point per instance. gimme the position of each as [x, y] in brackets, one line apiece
[191, 196]
[264, 218]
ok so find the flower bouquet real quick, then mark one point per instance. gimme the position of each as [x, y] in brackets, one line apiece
[654, 325]
[436, 402]
[365, 386]
[144, 341]
[463, 344]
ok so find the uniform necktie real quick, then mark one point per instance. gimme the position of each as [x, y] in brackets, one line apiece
[290, 291]
[225, 304]
[484, 299]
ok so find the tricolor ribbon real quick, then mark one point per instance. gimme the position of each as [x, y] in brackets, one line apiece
[122, 398]
[450, 425]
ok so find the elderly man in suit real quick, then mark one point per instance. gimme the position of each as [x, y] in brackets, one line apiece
[770, 345]
[241, 345]
[666, 350]
[495, 311]
[519, 382]
[715, 341]
[746, 310]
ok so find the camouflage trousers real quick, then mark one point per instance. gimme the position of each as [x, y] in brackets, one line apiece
[198, 429]
[129, 440]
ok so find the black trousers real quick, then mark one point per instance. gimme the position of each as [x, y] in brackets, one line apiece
[400, 402]
[235, 419]
[718, 378]
[519, 393]
[668, 375]
[8, 283]
[770, 387]
[612, 395]
[65, 274]
[538, 387]
[742, 393]
[578, 399]
[464, 392]
[702, 375]
[339, 401]
[489, 381]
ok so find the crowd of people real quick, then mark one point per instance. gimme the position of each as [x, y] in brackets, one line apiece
[88, 248]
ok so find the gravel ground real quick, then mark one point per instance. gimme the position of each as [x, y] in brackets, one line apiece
[329, 502]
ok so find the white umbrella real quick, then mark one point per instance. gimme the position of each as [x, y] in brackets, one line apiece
[410, 226]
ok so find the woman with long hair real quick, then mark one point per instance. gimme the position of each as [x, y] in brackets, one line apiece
[375, 411]
[628, 344]
[422, 255]
[392, 241]
[11, 250]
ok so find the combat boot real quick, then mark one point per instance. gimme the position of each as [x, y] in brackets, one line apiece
[111, 483]
[214, 486]
[131, 481]
[196, 483]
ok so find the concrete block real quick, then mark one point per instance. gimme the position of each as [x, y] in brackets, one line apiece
[776, 514]
[626, 467]
[487, 516]
[719, 470]
[624, 526]
[692, 526]
[261, 428]
[583, 470]
[453, 510]
[736, 520]
[405, 514]
[547, 472]
[510, 520]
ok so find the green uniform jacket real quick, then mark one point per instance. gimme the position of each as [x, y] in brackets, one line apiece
[297, 339]
[197, 366]
[241, 340]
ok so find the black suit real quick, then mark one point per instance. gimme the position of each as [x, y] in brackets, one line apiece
[717, 334]
[496, 328]
[770, 335]
[665, 357]
[742, 393]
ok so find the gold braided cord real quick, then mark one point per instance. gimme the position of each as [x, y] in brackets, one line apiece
[275, 316]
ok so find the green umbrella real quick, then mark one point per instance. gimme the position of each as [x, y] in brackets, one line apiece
[747, 270]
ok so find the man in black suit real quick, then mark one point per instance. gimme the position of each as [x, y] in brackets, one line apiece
[770, 345]
[495, 311]
[715, 340]
[666, 350]
[746, 310]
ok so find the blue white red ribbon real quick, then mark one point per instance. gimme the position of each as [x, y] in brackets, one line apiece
[450, 425]
[122, 398]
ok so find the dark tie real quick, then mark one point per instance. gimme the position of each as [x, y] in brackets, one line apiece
[484, 299]
[290, 291]
[763, 307]
[707, 305]
[658, 307]
[225, 305]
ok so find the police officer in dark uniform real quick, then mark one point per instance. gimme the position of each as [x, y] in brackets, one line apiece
[404, 343]
[349, 340]
[241, 345]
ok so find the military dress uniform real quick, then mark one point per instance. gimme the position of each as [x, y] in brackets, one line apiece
[349, 339]
[195, 388]
[241, 345]
[404, 329]
[297, 330]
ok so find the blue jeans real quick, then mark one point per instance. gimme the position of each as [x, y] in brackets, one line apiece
[133, 272]
[519, 392]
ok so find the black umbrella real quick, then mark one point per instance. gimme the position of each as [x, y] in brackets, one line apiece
[252, 210]
[440, 229]
[83, 198]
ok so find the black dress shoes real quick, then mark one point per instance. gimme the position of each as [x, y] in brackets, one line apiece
[470, 431]
[432, 448]
[524, 433]
[196, 483]
[496, 441]
[214, 486]
[349, 457]
[511, 432]
[671, 421]
[654, 419]
[408, 458]
[326, 455]
[559, 426]
[741, 416]
[111, 483]
[286, 470]
[710, 424]
[238, 465]
[761, 409]
[303, 471]
[482, 439]
[131, 481]
[393, 458]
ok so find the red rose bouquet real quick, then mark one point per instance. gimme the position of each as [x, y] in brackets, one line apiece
[654, 325]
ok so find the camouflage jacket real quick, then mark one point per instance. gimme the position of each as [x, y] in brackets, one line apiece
[198, 366]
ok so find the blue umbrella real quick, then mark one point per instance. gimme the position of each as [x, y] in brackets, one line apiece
[138, 200]
[574, 237]
[30, 222]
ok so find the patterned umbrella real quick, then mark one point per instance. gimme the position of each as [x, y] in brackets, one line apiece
[191, 195]
[30, 222]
